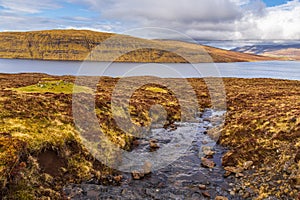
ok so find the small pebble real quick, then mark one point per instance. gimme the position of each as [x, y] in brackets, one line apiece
[221, 198]
[137, 175]
[202, 187]
[247, 164]
[118, 178]
[206, 194]
[207, 163]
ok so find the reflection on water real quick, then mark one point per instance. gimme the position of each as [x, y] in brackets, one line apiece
[271, 69]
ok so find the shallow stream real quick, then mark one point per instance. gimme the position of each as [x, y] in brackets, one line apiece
[178, 180]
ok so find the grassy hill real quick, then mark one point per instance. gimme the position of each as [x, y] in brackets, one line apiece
[289, 53]
[279, 51]
[76, 45]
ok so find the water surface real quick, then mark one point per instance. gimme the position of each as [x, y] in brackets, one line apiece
[179, 180]
[270, 69]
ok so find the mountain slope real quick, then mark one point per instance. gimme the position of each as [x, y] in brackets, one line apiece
[219, 55]
[76, 45]
[288, 51]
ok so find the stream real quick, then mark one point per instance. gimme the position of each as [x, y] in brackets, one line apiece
[179, 180]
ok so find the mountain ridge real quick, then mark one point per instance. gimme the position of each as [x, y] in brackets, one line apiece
[77, 45]
[287, 51]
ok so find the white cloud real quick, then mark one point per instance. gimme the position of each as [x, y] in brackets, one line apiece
[186, 11]
[240, 2]
[280, 22]
[32, 6]
[200, 19]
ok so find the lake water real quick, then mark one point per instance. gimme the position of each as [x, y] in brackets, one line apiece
[271, 69]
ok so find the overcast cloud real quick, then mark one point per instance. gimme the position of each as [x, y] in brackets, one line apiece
[200, 19]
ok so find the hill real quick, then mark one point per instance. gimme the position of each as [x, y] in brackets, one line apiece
[76, 45]
[287, 51]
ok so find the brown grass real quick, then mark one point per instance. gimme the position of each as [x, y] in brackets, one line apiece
[262, 125]
[79, 45]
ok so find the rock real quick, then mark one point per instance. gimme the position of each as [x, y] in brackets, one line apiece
[153, 144]
[147, 167]
[206, 194]
[221, 198]
[207, 163]
[241, 193]
[246, 195]
[173, 127]
[207, 151]
[204, 142]
[153, 141]
[206, 119]
[214, 133]
[118, 178]
[235, 170]
[137, 175]
[160, 185]
[227, 173]
[247, 164]
[135, 143]
[202, 187]
[237, 175]
[229, 159]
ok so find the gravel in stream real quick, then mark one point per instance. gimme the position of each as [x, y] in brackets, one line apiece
[185, 178]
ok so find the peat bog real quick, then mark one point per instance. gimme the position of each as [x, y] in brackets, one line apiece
[261, 132]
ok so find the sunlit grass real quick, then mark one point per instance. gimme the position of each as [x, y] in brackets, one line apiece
[55, 87]
[157, 89]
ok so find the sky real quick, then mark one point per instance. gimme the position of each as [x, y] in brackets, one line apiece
[198, 19]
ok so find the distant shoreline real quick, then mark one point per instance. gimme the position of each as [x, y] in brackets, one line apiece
[95, 61]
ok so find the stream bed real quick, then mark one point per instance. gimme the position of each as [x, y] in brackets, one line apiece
[185, 178]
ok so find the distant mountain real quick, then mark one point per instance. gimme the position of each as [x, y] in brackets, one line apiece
[76, 45]
[288, 51]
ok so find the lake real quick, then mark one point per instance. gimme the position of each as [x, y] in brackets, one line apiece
[270, 69]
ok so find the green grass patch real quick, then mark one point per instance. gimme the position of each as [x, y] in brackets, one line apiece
[57, 87]
[157, 89]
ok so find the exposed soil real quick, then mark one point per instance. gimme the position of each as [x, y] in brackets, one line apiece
[51, 163]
